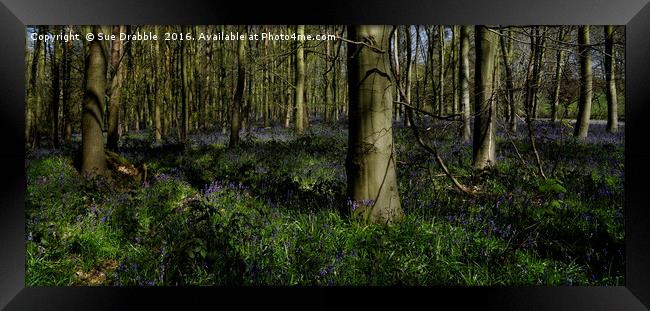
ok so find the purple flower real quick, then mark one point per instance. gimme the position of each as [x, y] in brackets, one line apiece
[353, 204]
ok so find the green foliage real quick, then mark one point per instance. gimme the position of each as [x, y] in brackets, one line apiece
[551, 186]
[274, 212]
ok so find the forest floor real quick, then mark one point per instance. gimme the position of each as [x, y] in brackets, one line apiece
[275, 212]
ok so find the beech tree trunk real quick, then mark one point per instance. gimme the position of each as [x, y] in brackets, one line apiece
[484, 151]
[370, 162]
[116, 88]
[93, 159]
[581, 128]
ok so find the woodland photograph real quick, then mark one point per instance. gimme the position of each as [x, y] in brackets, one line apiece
[325, 155]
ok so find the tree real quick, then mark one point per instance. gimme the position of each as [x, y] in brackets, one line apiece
[558, 75]
[484, 151]
[584, 109]
[327, 80]
[409, 67]
[464, 80]
[506, 54]
[185, 90]
[540, 50]
[612, 103]
[56, 91]
[396, 63]
[235, 120]
[370, 162]
[67, 89]
[441, 73]
[34, 106]
[158, 92]
[93, 160]
[454, 68]
[300, 80]
[117, 52]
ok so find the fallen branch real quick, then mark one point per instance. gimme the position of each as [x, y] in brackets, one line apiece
[434, 151]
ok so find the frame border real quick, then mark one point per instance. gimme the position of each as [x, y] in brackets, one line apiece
[16, 14]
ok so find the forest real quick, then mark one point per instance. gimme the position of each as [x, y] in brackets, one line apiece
[324, 155]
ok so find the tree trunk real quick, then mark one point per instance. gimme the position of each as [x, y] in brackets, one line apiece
[67, 118]
[32, 99]
[441, 73]
[222, 81]
[93, 159]
[612, 103]
[538, 67]
[464, 81]
[289, 98]
[266, 110]
[157, 123]
[235, 120]
[370, 162]
[484, 151]
[300, 80]
[506, 53]
[56, 91]
[37, 75]
[329, 67]
[409, 70]
[454, 68]
[417, 78]
[558, 76]
[584, 110]
[397, 70]
[116, 89]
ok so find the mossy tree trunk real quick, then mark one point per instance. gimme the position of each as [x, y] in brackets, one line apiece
[581, 128]
[370, 162]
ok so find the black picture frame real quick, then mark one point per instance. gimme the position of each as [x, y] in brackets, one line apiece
[16, 14]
